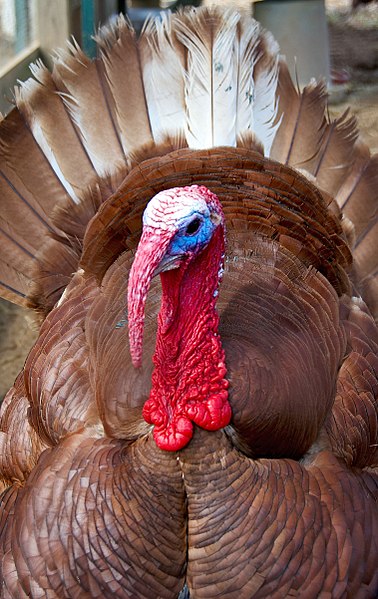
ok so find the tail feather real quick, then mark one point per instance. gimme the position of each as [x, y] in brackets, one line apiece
[366, 267]
[17, 262]
[246, 57]
[28, 182]
[122, 64]
[265, 121]
[298, 139]
[164, 87]
[14, 285]
[339, 163]
[307, 140]
[28, 188]
[209, 78]
[47, 117]
[84, 90]
[227, 95]
[336, 153]
[368, 288]
[366, 252]
[358, 197]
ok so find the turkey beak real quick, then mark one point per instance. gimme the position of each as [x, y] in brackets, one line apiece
[148, 262]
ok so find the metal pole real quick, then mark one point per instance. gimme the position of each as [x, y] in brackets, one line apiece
[88, 27]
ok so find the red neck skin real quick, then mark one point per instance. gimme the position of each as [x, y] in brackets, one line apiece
[188, 383]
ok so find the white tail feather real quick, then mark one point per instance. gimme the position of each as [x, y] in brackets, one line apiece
[245, 59]
[230, 80]
[163, 77]
[210, 86]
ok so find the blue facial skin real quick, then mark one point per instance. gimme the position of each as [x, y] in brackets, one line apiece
[195, 232]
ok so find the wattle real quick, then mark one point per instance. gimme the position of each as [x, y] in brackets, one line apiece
[174, 428]
[188, 383]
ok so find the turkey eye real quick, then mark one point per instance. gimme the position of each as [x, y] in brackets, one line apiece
[193, 227]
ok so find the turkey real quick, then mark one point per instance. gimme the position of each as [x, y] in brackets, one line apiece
[198, 416]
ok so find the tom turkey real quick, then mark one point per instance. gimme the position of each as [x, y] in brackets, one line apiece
[211, 431]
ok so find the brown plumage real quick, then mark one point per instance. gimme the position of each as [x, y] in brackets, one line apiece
[281, 502]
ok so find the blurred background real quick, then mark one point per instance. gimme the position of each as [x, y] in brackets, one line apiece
[333, 39]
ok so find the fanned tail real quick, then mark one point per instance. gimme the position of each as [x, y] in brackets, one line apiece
[207, 73]
[199, 78]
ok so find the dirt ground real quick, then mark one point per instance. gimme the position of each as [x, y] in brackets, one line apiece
[354, 56]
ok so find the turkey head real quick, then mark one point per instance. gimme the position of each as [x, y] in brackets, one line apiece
[183, 239]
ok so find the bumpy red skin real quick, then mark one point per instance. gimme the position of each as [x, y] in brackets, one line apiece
[188, 383]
